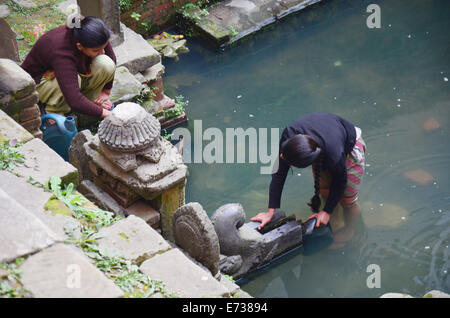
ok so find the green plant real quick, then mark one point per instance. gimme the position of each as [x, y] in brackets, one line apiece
[125, 5]
[166, 135]
[178, 109]
[9, 156]
[12, 278]
[232, 31]
[136, 16]
[146, 95]
[123, 272]
[92, 217]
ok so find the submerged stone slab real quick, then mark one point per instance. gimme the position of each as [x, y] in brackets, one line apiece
[183, 277]
[133, 239]
[231, 20]
[10, 129]
[42, 162]
[21, 232]
[135, 53]
[62, 271]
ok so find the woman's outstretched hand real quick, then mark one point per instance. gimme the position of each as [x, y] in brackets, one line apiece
[263, 217]
[322, 218]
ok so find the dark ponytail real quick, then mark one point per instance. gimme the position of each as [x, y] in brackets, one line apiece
[315, 200]
[302, 151]
[92, 33]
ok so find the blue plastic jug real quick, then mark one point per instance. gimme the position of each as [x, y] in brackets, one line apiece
[60, 135]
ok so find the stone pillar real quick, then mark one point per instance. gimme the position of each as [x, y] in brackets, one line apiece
[167, 204]
[18, 96]
[109, 12]
[8, 47]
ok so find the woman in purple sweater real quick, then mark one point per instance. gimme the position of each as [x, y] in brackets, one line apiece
[335, 149]
[74, 69]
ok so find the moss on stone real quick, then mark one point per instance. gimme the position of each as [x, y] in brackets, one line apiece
[70, 178]
[55, 206]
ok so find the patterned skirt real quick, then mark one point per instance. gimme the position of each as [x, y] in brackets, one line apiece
[355, 171]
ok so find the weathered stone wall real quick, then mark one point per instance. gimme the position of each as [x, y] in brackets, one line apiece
[156, 13]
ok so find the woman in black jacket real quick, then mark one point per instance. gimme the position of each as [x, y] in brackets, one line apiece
[335, 149]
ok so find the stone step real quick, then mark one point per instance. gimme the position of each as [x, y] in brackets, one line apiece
[21, 232]
[133, 239]
[231, 20]
[63, 271]
[42, 162]
[183, 277]
[52, 213]
[10, 129]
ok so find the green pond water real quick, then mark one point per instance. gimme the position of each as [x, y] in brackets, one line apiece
[393, 83]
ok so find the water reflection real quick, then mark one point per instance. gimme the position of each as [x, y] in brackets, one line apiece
[391, 83]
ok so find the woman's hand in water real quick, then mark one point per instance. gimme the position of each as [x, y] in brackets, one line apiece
[322, 218]
[263, 217]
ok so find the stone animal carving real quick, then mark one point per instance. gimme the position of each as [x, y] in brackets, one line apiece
[243, 248]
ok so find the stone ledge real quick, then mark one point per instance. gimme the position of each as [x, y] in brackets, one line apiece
[134, 239]
[62, 271]
[16, 83]
[21, 233]
[37, 203]
[182, 277]
[135, 52]
[10, 129]
[42, 162]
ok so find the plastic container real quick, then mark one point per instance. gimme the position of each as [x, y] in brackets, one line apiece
[60, 135]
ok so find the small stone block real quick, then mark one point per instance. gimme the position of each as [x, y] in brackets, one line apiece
[144, 211]
[102, 199]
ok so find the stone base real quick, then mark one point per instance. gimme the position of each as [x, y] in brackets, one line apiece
[167, 204]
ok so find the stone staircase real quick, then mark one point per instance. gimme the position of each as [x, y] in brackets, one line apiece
[33, 226]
